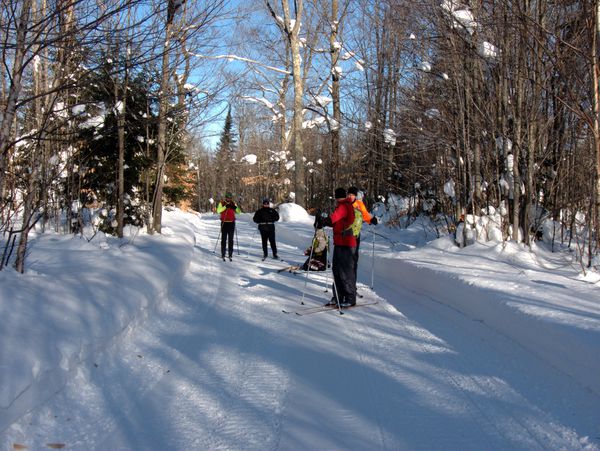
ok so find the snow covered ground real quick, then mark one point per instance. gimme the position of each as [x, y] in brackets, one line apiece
[153, 342]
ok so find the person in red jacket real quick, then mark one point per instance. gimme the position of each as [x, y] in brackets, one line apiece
[344, 241]
[227, 209]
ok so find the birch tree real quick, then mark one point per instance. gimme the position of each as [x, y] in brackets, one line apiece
[291, 26]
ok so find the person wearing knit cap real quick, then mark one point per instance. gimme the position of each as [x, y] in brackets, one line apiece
[359, 206]
[339, 193]
[344, 247]
[266, 217]
[227, 209]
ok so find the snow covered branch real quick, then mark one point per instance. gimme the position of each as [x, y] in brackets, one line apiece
[246, 60]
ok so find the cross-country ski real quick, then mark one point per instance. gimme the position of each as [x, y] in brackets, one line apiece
[326, 308]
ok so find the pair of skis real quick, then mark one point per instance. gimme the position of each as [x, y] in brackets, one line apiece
[292, 268]
[326, 308]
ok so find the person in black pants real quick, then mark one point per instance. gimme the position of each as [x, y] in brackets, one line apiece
[266, 217]
[227, 209]
[344, 248]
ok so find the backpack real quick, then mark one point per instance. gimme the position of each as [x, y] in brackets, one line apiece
[318, 242]
[228, 215]
[356, 226]
[358, 222]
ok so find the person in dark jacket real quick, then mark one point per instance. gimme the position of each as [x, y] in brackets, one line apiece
[266, 217]
[227, 209]
[344, 248]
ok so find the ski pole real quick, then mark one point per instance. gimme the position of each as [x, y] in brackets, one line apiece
[337, 295]
[251, 244]
[236, 241]
[373, 262]
[329, 266]
[392, 242]
[217, 242]
[312, 245]
[335, 288]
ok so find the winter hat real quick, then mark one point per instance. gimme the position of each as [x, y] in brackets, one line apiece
[228, 196]
[266, 201]
[340, 193]
[353, 190]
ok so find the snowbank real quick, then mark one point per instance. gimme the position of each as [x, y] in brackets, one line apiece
[290, 212]
[74, 298]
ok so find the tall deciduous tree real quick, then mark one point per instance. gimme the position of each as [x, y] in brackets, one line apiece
[291, 25]
[163, 109]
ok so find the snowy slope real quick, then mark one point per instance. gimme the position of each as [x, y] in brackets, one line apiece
[75, 297]
[158, 344]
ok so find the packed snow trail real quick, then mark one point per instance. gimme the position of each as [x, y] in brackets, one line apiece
[218, 366]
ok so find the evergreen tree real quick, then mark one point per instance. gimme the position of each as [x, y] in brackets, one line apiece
[226, 157]
[98, 144]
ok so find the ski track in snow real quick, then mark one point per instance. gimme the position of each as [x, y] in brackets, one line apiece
[446, 391]
[217, 366]
[482, 386]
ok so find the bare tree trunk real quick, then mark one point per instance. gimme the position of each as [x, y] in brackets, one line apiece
[120, 92]
[161, 137]
[334, 50]
[28, 201]
[516, 181]
[283, 119]
[596, 107]
[374, 85]
[28, 212]
[14, 89]
[293, 35]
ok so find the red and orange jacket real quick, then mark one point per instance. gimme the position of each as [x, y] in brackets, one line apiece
[359, 205]
[341, 219]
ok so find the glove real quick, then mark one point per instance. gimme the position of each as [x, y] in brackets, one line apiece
[374, 220]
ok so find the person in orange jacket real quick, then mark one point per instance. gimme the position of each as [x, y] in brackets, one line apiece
[358, 204]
